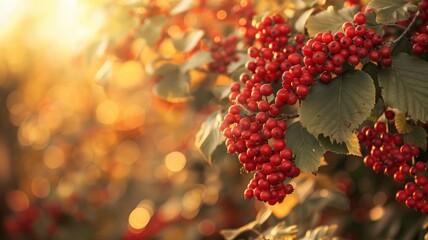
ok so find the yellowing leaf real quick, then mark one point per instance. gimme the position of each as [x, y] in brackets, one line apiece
[401, 123]
[281, 210]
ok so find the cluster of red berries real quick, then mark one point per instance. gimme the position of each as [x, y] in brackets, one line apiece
[326, 52]
[246, 13]
[254, 126]
[420, 41]
[223, 51]
[259, 142]
[274, 54]
[422, 19]
[390, 155]
[420, 37]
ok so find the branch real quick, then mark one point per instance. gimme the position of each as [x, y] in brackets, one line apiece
[404, 33]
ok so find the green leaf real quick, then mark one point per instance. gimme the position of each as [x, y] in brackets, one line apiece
[330, 20]
[353, 145]
[243, 58]
[305, 147]
[230, 234]
[417, 136]
[302, 20]
[152, 28]
[174, 85]
[371, 22]
[209, 136]
[221, 91]
[404, 45]
[391, 11]
[332, 146]
[338, 108]
[188, 40]
[198, 59]
[405, 86]
[263, 215]
[401, 123]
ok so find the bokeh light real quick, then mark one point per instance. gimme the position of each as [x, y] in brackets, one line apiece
[139, 218]
[175, 161]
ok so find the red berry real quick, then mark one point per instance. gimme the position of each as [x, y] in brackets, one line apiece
[422, 40]
[318, 57]
[360, 18]
[385, 51]
[294, 58]
[346, 25]
[353, 60]
[302, 90]
[325, 77]
[401, 196]
[327, 37]
[374, 55]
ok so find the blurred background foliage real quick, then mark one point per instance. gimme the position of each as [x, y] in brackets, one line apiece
[94, 144]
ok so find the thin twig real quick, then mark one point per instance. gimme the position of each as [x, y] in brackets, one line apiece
[199, 69]
[248, 111]
[286, 116]
[404, 33]
[259, 233]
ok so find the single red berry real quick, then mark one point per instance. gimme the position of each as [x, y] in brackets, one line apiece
[360, 18]
[265, 196]
[294, 58]
[266, 89]
[288, 188]
[360, 30]
[410, 188]
[401, 196]
[248, 194]
[318, 57]
[386, 62]
[346, 25]
[374, 55]
[385, 51]
[422, 40]
[302, 90]
[353, 60]
[325, 77]
[417, 49]
[334, 47]
[327, 37]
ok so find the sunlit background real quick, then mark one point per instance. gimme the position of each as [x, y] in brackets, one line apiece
[89, 151]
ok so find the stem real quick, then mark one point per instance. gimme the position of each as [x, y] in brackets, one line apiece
[199, 69]
[395, 42]
[259, 233]
[286, 116]
[249, 112]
